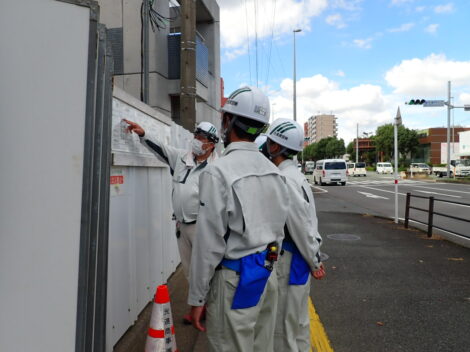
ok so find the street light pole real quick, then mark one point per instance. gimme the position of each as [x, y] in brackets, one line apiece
[357, 143]
[449, 106]
[295, 78]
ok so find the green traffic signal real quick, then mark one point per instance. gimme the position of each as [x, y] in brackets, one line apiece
[416, 102]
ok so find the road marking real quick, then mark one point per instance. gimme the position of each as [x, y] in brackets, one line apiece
[383, 190]
[318, 338]
[370, 195]
[439, 194]
[442, 189]
[321, 189]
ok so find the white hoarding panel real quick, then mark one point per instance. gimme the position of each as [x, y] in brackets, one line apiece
[43, 70]
[142, 243]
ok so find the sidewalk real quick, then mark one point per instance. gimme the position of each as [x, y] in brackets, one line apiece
[188, 339]
[386, 289]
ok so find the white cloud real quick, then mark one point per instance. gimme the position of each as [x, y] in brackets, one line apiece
[363, 43]
[400, 2]
[428, 77]
[348, 5]
[336, 20]
[432, 28]
[365, 104]
[340, 73]
[238, 17]
[441, 9]
[420, 8]
[403, 28]
[464, 98]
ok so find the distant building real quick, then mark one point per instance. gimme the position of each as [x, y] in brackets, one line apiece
[430, 140]
[321, 126]
[306, 139]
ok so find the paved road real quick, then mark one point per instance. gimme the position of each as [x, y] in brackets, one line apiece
[374, 195]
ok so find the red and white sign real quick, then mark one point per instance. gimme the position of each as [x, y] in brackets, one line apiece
[117, 180]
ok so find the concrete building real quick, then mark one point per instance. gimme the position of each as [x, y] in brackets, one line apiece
[322, 126]
[123, 19]
[306, 138]
[431, 140]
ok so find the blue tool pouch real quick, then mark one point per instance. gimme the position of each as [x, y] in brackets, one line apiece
[299, 268]
[253, 279]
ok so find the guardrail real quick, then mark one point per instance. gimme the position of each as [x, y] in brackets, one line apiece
[431, 213]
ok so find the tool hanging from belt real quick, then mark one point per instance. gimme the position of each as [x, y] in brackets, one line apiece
[254, 275]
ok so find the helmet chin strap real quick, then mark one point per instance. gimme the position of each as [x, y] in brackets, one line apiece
[274, 155]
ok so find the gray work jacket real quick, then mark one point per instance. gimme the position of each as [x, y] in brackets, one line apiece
[302, 222]
[185, 174]
[243, 208]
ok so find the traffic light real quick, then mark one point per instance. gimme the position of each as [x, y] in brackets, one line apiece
[416, 102]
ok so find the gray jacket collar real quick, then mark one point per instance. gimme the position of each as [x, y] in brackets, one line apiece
[249, 146]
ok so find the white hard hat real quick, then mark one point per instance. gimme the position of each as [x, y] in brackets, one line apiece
[287, 133]
[207, 129]
[260, 140]
[249, 102]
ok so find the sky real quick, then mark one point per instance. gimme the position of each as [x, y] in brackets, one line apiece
[357, 59]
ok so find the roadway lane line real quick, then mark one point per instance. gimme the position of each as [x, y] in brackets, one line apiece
[321, 189]
[439, 194]
[433, 188]
[383, 190]
[370, 195]
[318, 338]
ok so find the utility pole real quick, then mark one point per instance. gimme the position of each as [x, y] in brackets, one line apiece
[357, 143]
[396, 123]
[188, 64]
[145, 49]
[449, 106]
[295, 78]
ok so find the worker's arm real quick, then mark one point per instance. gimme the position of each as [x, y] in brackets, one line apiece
[209, 244]
[302, 224]
[167, 154]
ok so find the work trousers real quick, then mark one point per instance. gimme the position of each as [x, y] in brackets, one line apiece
[292, 333]
[185, 239]
[239, 330]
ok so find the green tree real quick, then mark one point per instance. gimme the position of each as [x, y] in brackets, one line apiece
[384, 139]
[350, 148]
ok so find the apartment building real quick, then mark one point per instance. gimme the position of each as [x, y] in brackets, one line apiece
[124, 22]
[321, 126]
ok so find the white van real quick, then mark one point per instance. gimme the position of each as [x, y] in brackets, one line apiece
[330, 171]
[309, 167]
[384, 168]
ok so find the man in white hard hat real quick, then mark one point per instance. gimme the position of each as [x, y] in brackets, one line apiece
[300, 256]
[185, 167]
[243, 210]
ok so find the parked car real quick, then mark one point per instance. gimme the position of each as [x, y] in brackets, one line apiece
[384, 168]
[309, 167]
[330, 171]
[459, 168]
[420, 168]
[357, 169]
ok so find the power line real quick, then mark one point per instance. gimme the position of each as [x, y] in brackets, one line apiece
[248, 40]
[271, 43]
[256, 38]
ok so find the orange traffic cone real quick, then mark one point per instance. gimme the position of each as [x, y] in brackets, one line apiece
[161, 334]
